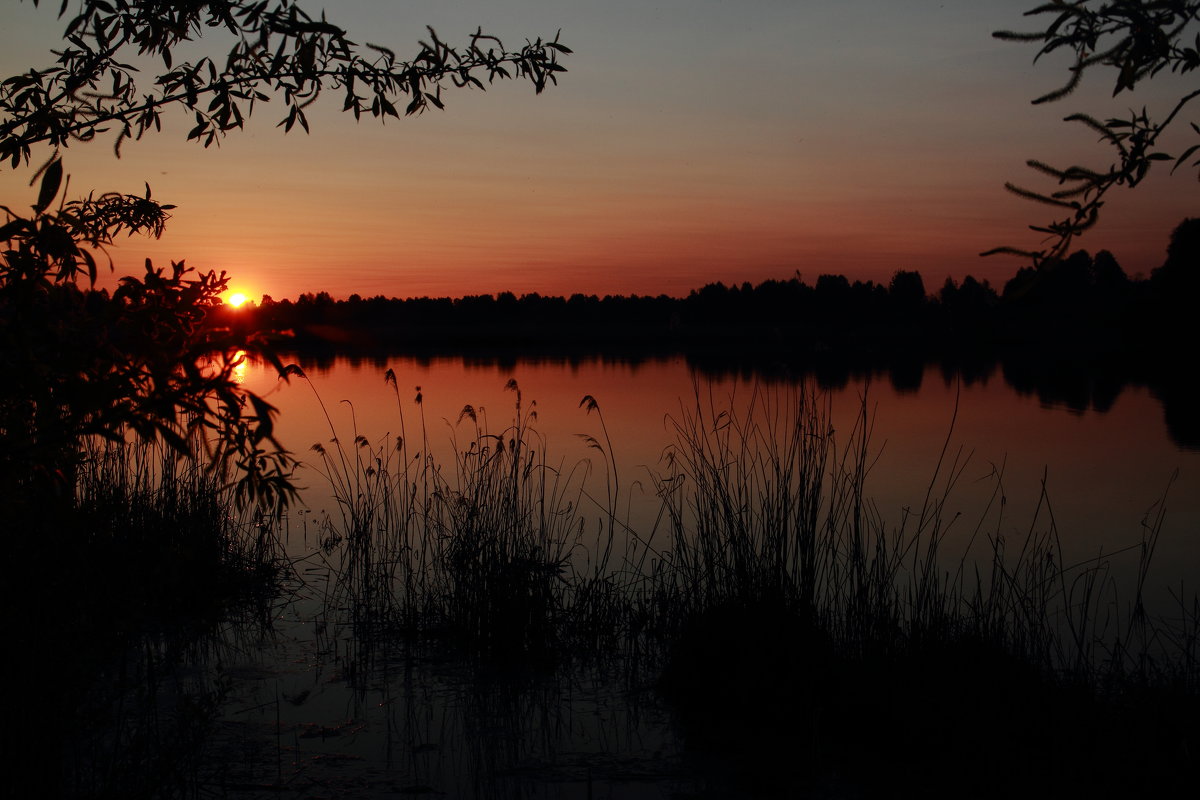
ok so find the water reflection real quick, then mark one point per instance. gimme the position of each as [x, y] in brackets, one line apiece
[1095, 435]
[240, 366]
[1057, 379]
[339, 698]
[960, 460]
[235, 364]
[363, 685]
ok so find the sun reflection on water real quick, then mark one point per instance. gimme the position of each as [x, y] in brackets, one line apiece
[240, 363]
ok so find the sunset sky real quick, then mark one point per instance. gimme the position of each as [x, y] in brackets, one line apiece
[691, 141]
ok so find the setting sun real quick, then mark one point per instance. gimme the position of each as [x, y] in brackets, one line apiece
[236, 299]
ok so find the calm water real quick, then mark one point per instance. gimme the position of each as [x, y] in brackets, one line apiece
[1103, 471]
[312, 710]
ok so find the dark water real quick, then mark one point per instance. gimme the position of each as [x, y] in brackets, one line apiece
[314, 710]
[314, 704]
[1106, 457]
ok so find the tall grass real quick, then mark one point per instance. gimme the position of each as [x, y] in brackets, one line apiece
[768, 503]
[764, 506]
[117, 575]
[175, 517]
[783, 617]
[796, 625]
[476, 551]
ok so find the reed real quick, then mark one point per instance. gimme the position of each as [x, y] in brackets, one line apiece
[781, 615]
[764, 506]
[124, 565]
[795, 625]
[476, 552]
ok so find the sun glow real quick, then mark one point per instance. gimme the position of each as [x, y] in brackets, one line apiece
[236, 299]
[240, 360]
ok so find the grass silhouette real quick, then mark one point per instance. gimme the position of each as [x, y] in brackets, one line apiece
[793, 632]
[111, 586]
[772, 606]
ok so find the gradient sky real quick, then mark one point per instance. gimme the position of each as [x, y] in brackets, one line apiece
[691, 141]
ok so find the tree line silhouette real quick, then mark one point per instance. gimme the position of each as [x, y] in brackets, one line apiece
[1082, 303]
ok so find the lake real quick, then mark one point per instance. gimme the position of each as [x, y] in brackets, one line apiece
[1104, 471]
[321, 704]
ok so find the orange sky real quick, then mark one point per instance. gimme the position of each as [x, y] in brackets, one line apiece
[689, 142]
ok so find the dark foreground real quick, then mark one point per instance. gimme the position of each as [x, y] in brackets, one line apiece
[465, 632]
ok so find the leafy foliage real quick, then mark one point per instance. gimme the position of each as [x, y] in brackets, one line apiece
[1139, 39]
[80, 363]
[152, 359]
[278, 50]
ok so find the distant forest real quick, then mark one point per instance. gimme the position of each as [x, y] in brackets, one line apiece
[1083, 303]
